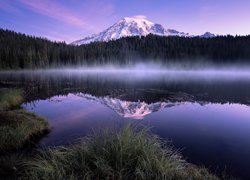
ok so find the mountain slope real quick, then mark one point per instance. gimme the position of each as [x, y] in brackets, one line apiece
[129, 109]
[130, 26]
[208, 35]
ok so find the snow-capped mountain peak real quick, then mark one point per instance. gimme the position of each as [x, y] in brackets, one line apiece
[130, 26]
[134, 26]
[208, 35]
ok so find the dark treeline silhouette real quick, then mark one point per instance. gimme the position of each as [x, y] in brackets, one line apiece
[18, 51]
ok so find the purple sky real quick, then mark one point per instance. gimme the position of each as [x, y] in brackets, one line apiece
[70, 20]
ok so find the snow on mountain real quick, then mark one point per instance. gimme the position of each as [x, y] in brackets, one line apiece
[208, 35]
[130, 26]
[128, 109]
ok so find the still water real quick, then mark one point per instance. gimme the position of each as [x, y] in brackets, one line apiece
[205, 115]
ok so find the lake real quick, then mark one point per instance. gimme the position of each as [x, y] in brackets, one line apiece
[204, 114]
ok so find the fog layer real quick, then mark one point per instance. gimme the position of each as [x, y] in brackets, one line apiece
[152, 69]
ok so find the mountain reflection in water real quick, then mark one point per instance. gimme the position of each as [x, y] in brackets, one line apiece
[207, 117]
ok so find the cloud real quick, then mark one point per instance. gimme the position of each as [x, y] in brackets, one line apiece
[56, 11]
[75, 19]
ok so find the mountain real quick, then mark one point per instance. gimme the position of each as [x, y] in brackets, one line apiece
[129, 109]
[208, 35]
[130, 26]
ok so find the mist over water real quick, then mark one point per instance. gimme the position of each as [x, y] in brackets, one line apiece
[152, 70]
[204, 105]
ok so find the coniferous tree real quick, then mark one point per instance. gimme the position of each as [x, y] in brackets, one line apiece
[19, 51]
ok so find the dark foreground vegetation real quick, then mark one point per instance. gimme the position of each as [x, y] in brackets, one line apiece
[125, 154]
[18, 130]
[17, 126]
[19, 51]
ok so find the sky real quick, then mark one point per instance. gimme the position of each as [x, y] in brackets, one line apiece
[69, 20]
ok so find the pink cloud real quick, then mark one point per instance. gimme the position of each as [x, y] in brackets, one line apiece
[98, 12]
[56, 11]
[84, 17]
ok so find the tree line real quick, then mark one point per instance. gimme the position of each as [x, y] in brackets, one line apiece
[20, 51]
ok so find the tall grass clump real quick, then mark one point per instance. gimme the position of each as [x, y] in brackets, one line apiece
[10, 98]
[17, 126]
[125, 154]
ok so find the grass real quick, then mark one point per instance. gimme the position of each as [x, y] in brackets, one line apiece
[10, 98]
[17, 126]
[127, 154]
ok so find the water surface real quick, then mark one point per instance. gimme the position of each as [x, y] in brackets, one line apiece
[206, 115]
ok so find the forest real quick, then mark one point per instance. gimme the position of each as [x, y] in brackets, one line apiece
[20, 51]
